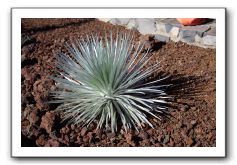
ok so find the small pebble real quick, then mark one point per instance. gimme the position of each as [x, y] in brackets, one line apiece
[189, 141]
[83, 131]
[72, 127]
[193, 108]
[184, 108]
[193, 122]
[167, 138]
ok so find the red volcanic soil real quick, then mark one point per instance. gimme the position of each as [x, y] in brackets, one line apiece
[193, 73]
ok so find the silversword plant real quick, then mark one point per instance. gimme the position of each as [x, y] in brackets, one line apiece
[104, 80]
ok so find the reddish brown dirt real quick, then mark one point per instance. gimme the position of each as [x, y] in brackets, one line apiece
[192, 70]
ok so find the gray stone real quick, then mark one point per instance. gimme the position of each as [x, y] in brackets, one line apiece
[167, 139]
[119, 21]
[211, 32]
[105, 19]
[198, 39]
[161, 29]
[200, 29]
[132, 24]
[209, 40]
[187, 36]
[174, 33]
[114, 21]
[161, 38]
[123, 21]
[171, 21]
[168, 27]
[212, 24]
[146, 25]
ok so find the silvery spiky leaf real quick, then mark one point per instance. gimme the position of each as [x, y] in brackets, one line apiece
[104, 81]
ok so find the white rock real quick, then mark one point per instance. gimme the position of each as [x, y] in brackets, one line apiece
[146, 25]
[104, 19]
[209, 40]
[132, 24]
[160, 29]
[174, 32]
[123, 21]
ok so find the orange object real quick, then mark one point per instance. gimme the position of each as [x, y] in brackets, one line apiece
[191, 21]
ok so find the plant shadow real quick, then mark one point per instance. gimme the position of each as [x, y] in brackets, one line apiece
[182, 90]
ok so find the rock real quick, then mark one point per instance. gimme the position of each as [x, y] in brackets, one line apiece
[211, 32]
[198, 39]
[86, 139]
[25, 123]
[52, 143]
[171, 143]
[28, 49]
[122, 131]
[25, 72]
[72, 136]
[160, 138]
[189, 127]
[184, 107]
[98, 133]
[91, 136]
[103, 136]
[187, 36]
[77, 130]
[132, 24]
[47, 122]
[144, 135]
[209, 40]
[79, 139]
[41, 92]
[66, 138]
[161, 29]
[174, 33]
[28, 109]
[41, 140]
[179, 125]
[171, 21]
[169, 128]
[150, 131]
[119, 21]
[114, 21]
[72, 127]
[162, 38]
[105, 19]
[64, 130]
[110, 135]
[146, 25]
[168, 27]
[128, 137]
[166, 139]
[189, 141]
[157, 145]
[193, 122]
[191, 132]
[200, 30]
[210, 135]
[33, 118]
[83, 131]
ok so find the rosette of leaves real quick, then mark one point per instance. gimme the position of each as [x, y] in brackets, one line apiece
[105, 80]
